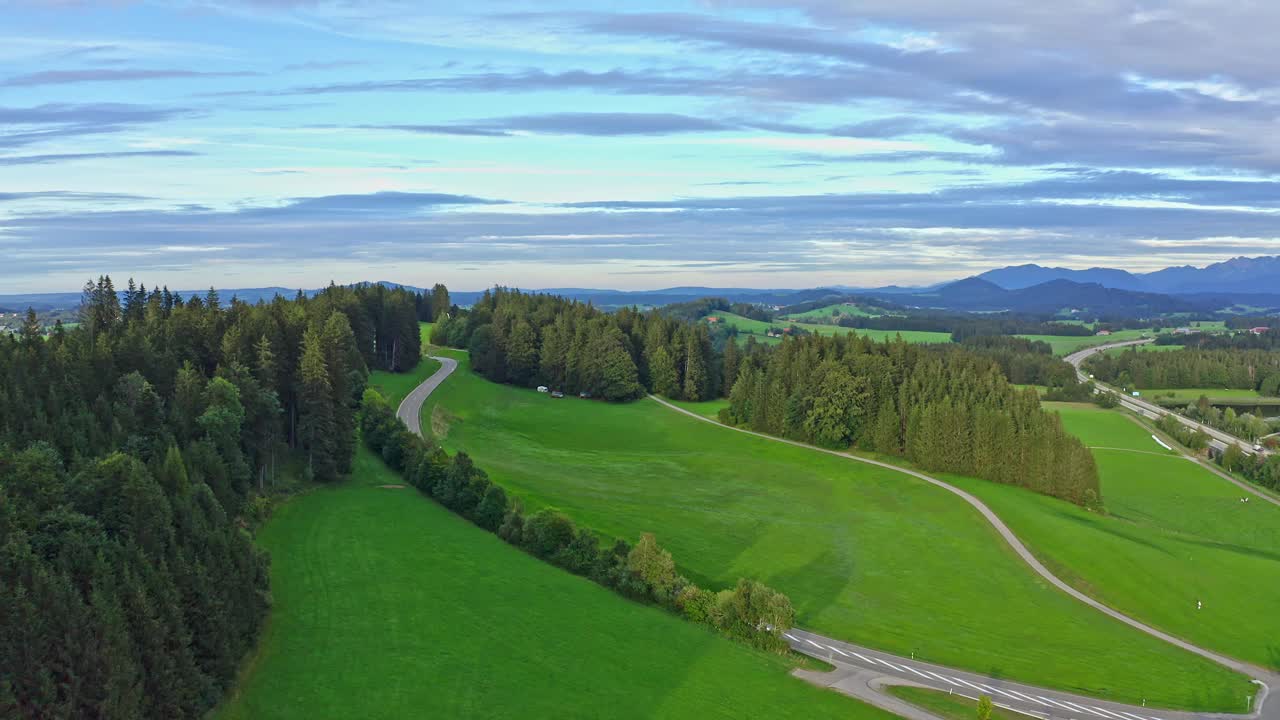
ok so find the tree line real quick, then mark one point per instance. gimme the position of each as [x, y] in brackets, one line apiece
[943, 408]
[750, 611]
[135, 450]
[1191, 368]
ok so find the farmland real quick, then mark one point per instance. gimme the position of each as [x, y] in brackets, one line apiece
[389, 606]
[1174, 535]
[1192, 394]
[830, 311]
[758, 328]
[1067, 344]
[818, 528]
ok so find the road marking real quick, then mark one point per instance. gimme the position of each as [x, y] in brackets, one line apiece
[791, 637]
[887, 664]
[864, 657]
[1135, 717]
[836, 649]
[812, 643]
[1084, 709]
[975, 687]
[943, 679]
[1055, 702]
[1108, 712]
[998, 690]
[916, 671]
[1028, 697]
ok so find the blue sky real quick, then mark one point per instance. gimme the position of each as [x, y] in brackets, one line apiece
[630, 145]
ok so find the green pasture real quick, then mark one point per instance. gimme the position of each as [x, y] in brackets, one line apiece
[1067, 344]
[949, 706]
[866, 554]
[829, 311]
[389, 606]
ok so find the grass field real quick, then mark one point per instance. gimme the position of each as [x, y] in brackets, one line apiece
[949, 707]
[865, 554]
[830, 311]
[1067, 344]
[759, 328]
[389, 606]
[1174, 534]
[395, 386]
[1149, 347]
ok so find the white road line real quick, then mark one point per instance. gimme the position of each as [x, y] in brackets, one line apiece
[1055, 702]
[1028, 697]
[975, 687]
[916, 671]
[836, 649]
[1135, 717]
[789, 636]
[812, 643]
[1084, 709]
[998, 690]
[943, 679]
[864, 657]
[1106, 712]
[887, 664]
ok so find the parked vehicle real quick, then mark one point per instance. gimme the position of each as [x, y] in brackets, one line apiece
[585, 395]
[542, 388]
[557, 394]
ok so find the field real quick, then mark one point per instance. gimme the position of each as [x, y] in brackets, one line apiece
[1174, 535]
[389, 606]
[829, 311]
[866, 554]
[1149, 347]
[759, 328]
[1067, 344]
[949, 707]
[395, 386]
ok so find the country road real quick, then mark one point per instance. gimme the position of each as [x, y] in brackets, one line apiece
[818, 646]
[410, 408]
[863, 672]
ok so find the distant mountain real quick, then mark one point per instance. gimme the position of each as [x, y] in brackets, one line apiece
[1018, 277]
[1055, 296]
[1238, 275]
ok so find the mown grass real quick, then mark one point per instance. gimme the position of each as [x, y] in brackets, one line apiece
[1174, 534]
[1149, 347]
[1191, 395]
[866, 554]
[948, 706]
[389, 606]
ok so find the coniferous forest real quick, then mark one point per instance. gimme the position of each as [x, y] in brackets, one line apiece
[136, 450]
[947, 408]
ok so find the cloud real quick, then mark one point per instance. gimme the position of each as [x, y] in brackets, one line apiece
[56, 121]
[66, 77]
[570, 123]
[66, 157]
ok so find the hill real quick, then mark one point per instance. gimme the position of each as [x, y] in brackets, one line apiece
[978, 294]
[1241, 275]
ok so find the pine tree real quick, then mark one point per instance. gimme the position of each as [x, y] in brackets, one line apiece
[316, 410]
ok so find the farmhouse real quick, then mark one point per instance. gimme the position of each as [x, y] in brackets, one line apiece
[1259, 330]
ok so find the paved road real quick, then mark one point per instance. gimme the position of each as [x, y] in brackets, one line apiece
[410, 409]
[863, 672]
[1142, 407]
[811, 644]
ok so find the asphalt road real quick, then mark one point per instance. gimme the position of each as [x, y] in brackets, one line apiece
[863, 673]
[1149, 409]
[410, 409]
[816, 646]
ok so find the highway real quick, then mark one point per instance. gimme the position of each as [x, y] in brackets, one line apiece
[1218, 438]
[863, 672]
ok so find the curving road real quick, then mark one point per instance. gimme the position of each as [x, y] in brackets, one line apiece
[863, 672]
[1142, 407]
[819, 646]
[410, 409]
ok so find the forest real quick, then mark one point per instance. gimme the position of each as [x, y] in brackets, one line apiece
[137, 450]
[1191, 368]
[946, 408]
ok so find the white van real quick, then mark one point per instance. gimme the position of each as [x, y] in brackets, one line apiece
[542, 388]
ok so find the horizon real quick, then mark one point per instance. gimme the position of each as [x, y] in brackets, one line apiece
[542, 145]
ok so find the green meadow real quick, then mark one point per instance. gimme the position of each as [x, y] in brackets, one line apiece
[829, 311]
[866, 554]
[948, 706]
[758, 328]
[1191, 395]
[1174, 534]
[389, 606]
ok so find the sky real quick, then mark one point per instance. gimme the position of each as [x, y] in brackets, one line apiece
[630, 145]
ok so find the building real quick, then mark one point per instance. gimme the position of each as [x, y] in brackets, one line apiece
[713, 319]
[1259, 330]
[1103, 333]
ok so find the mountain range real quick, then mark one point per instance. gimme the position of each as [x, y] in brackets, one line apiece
[1238, 275]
